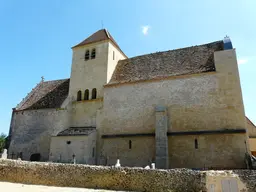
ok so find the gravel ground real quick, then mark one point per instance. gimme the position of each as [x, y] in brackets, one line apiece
[17, 187]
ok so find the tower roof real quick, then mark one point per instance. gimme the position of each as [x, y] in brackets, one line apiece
[98, 36]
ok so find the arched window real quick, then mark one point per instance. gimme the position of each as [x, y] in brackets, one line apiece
[86, 94]
[87, 55]
[93, 55]
[94, 93]
[79, 95]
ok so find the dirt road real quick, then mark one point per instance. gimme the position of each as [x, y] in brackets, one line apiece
[16, 187]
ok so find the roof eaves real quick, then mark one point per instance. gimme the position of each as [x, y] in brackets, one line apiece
[117, 47]
[106, 31]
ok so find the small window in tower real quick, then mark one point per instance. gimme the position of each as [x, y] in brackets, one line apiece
[86, 94]
[87, 55]
[130, 144]
[196, 144]
[113, 55]
[93, 55]
[79, 95]
[94, 93]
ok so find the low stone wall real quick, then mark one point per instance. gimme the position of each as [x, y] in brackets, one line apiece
[99, 177]
[127, 179]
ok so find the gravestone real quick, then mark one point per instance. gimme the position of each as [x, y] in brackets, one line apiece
[118, 163]
[4, 154]
[147, 167]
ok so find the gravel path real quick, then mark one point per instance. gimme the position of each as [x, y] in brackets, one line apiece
[17, 187]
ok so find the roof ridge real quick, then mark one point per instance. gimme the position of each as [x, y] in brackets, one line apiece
[56, 80]
[171, 50]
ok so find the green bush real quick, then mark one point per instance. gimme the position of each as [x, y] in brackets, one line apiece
[2, 142]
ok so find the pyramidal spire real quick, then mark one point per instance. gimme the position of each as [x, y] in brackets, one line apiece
[100, 35]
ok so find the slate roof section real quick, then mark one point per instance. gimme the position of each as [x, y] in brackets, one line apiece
[77, 131]
[48, 94]
[98, 36]
[190, 60]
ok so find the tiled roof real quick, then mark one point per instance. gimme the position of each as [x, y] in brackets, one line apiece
[190, 60]
[100, 35]
[48, 94]
[76, 131]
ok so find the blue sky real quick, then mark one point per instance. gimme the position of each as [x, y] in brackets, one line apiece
[36, 37]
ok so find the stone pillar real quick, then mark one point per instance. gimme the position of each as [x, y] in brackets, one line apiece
[161, 126]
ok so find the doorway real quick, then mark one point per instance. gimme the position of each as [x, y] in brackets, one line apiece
[35, 157]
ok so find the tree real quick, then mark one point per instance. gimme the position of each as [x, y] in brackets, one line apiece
[2, 142]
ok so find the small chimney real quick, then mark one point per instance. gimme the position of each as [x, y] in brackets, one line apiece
[227, 43]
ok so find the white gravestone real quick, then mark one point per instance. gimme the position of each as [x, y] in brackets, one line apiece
[147, 167]
[4, 154]
[118, 163]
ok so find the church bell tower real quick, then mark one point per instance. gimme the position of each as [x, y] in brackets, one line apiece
[93, 63]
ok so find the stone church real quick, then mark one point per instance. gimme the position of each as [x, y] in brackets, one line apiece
[177, 108]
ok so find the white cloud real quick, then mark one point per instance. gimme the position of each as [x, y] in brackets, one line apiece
[145, 29]
[242, 61]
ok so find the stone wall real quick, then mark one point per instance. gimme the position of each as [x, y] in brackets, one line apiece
[213, 151]
[207, 101]
[201, 102]
[84, 113]
[114, 55]
[220, 151]
[140, 153]
[83, 147]
[128, 179]
[251, 129]
[32, 130]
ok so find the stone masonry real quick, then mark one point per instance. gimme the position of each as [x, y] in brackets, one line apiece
[124, 178]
